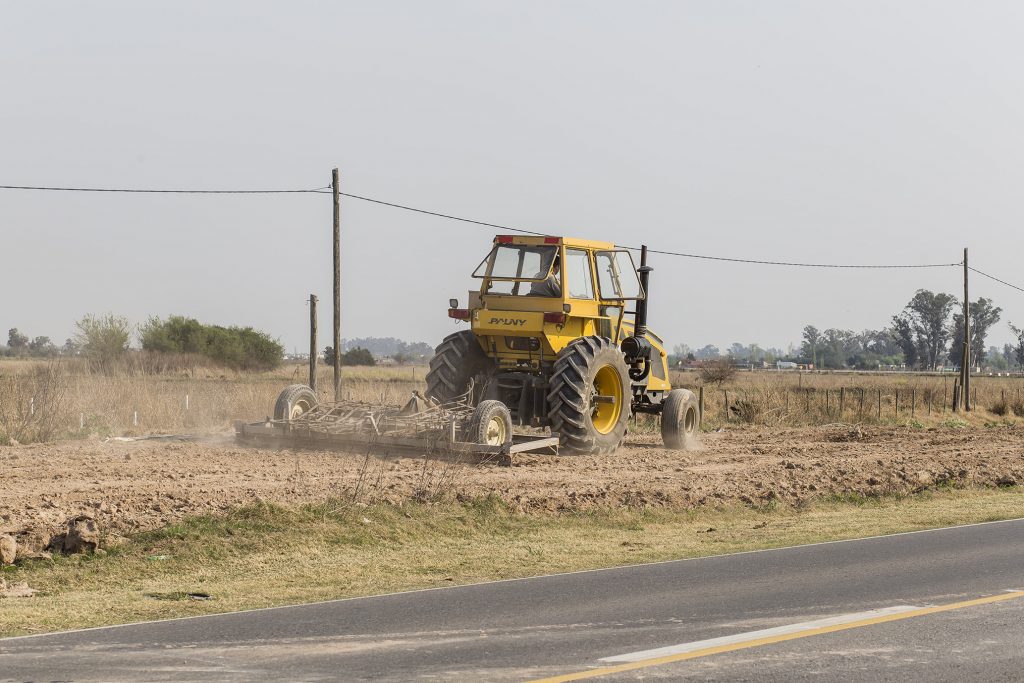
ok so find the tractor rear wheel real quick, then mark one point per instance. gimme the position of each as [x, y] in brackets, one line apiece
[456, 362]
[589, 397]
[294, 401]
[680, 419]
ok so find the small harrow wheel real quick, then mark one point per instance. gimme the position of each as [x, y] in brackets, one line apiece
[491, 424]
[680, 419]
[294, 401]
[589, 396]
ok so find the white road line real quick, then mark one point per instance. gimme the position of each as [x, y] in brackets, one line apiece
[757, 635]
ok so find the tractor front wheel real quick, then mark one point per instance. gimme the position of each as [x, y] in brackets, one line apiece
[680, 419]
[589, 397]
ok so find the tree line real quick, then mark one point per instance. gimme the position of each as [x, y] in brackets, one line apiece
[104, 341]
[925, 335]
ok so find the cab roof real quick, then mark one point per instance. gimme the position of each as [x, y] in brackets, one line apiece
[538, 240]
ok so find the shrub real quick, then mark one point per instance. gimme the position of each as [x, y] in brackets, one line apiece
[33, 406]
[356, 356]
[716, 371]
[242, 348]
[103, 340]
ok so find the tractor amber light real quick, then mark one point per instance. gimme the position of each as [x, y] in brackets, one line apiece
[557, 318]
[458, 313]
[551, 240]
[503, 239]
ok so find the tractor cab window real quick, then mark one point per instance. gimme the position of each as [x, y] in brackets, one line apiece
[577, 274]
[517, 269]
[616, 275]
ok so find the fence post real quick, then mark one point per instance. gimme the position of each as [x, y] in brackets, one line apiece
[879, 404]
[897, 402]
[726, 391]
[860, 410]
[828, 404]
[700, 408]
[842, 401]
[913, 401]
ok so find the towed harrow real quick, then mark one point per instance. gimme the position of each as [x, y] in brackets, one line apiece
[422, 425]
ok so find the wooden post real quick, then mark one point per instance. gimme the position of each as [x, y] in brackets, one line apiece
[726, 405]
[828, 406]
[337, 285]
[879, 404]
[897, 401]
[967, 341]
[700, 407]
[312, 342]
[860, 410]
[842, 400]
[913, 401]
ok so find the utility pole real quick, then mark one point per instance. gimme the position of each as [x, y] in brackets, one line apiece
[337, 286]
[966, 383]
[312, 342]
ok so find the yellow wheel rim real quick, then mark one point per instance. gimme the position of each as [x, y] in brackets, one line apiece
[298, 410]
[496, 432]
[605, 415]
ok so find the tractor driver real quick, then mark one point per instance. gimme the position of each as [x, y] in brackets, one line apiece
[549, 286]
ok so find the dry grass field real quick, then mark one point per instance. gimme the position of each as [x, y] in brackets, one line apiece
[42, 401]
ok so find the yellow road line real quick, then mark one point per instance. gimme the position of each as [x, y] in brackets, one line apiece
[757, 642]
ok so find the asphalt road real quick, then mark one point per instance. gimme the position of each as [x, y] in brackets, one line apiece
[589, 621]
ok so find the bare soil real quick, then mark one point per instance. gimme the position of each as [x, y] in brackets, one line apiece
[129, 486]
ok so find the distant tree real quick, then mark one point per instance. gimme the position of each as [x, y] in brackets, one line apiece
[994, 359]
[328, 355]
[70, 348]
[17, 342]
[401, 358]
[812, 337]
[983, 316]
[41, 346]
[904, 334]
[1008, 354]
[1018, 347]
[927, 315]
[709, 351]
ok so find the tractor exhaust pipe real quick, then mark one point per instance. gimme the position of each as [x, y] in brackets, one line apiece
[640, 318]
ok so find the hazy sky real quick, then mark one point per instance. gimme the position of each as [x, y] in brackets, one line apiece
[873, 132]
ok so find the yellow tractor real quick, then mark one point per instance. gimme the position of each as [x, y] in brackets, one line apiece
[551, 339]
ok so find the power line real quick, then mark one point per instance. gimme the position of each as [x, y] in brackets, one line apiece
[148, 191]
[656, 251]
[444, 215]
[992, 277]
[327, 190]
[801, 265]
